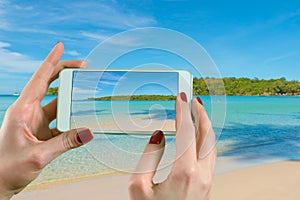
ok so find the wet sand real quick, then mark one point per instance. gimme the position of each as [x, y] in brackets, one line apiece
[275, 181]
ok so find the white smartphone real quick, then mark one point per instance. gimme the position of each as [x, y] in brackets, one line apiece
[120, 101]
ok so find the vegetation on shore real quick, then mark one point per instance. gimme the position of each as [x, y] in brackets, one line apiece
[233, 87]
[136, 97]
[246, 87]
[52, 91]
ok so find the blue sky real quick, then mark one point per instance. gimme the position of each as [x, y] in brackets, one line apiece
[101, 84]
[244, 38]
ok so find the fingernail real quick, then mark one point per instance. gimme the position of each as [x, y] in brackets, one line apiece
[57, 42]
[199, 100]
[84, 136]
[156, 137]
[84, 64]
[183, 96]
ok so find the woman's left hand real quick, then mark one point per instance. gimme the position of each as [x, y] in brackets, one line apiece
[27, 144]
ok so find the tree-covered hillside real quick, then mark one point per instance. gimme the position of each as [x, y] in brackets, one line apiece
[238, 87]
[136, 97]
[52, 91]
[246, 87]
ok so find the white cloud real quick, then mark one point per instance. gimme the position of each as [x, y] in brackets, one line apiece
[80, 91]
[72, 53]
[17, 7]
[284, 17]
[4, 44]
[108, 83]
[41, 20]
[278, 58]
[26, 17]
[107, 14]
[3, 21]
[127, 42]
[94, 36]
[36, 30]
[2, 4]
[112, 76]
[16, 62]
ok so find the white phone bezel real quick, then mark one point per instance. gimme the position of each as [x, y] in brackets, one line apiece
[185, 84]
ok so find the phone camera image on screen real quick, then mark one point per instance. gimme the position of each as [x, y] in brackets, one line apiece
[124, 101]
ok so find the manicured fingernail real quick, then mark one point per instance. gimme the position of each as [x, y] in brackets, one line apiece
[84, 64]
[199, 100]
[156, 137]
[183, 96]
[84, 136]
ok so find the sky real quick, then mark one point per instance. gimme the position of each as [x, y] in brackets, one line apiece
[101, 84]
[244, 38]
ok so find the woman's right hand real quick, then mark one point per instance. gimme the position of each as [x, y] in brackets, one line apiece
[192, 171]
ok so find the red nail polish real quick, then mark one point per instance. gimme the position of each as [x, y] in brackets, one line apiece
[78, 138]
[199, 100]
[183, 96]
[156, 137]
[84, 136]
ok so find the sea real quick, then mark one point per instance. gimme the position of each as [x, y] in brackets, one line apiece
[256, 130]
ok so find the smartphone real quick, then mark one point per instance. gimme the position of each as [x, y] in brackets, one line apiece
[120, 101]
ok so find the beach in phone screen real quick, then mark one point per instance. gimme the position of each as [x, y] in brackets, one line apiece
[124, 101]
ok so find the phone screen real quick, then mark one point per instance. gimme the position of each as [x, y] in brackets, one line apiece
[121, 101]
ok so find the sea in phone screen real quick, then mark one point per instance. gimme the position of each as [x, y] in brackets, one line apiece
[121, 101]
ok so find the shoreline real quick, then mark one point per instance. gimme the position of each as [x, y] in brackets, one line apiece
[224, 165]
[231, 164]
[66, 181]
[274, 181]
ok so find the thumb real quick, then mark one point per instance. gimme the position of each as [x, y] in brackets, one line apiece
[142, 178]
[64, 142]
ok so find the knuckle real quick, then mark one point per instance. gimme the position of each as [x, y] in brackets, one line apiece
[215, 152]
[206, 184]
[11, 111]
[137, 186]
[187, 175]
[37, 160]
[67, 141]
[191, 174]
[17, 113]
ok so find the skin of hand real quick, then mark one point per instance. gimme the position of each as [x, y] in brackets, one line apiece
[191, 174]
[27, 144]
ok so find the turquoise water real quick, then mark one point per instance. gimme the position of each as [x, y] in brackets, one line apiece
[262, 128]
[256, 129]
[7, 100]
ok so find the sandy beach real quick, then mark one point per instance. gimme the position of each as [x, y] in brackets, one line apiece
[274, 181]
[135, 125]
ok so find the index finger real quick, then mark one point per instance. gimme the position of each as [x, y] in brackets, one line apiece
[37, 86]
[68, 64]
[205, 133]
[185, 134]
